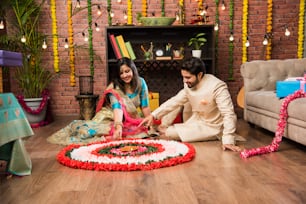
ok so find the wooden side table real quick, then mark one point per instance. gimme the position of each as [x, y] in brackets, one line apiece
[87, 106]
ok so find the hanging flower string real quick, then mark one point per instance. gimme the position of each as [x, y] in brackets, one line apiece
[200, 6]
[182, 11]
[54, 36]
[217, 31]
[281, 125]
[269, 30]
[129, 12]
[109, 11]
[231, 43]
[163, 8]
[301, 29]
[91, 52]
[244, 30]
[70, 42]
[144, 8]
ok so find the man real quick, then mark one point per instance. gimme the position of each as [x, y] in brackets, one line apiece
[212, 113]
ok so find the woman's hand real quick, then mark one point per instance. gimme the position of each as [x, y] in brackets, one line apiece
[147, 121]
[118, 132]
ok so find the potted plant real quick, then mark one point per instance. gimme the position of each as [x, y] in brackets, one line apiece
[197, 42]
[32, 78]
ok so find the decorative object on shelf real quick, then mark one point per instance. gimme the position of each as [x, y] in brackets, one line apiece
[245, 30]
[54, 36]
[126, 155]
[156, 21]
[281, 125]
[301, 30]
[269, 30]
[178, 54]
[148, 54]
[197, 42]
[162, 2]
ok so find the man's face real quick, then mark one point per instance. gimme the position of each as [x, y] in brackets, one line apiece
[190, 79]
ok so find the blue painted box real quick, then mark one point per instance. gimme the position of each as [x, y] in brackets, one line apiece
[285, 88]
[8, 58]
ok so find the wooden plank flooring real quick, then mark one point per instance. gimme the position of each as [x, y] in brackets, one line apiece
[214, 176]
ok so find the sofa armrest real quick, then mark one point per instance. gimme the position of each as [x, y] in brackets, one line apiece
[262, 75]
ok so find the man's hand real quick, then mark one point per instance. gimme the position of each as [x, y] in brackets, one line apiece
[231, 147]
[147, 121]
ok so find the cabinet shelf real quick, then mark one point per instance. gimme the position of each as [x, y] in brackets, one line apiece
[162, 76]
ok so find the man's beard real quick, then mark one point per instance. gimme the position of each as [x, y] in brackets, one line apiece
[192, 85]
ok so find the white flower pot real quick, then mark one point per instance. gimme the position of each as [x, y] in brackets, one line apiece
[197, 53]
[34, 104]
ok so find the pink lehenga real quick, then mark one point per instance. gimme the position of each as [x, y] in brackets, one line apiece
[100, 127]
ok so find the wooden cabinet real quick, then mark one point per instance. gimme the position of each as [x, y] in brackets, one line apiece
[162, 76]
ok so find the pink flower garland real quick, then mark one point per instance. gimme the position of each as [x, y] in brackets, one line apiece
[282, 122]
[45, 96]
[43, 103]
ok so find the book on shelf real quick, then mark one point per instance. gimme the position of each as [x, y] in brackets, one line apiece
[163, 58]
[122, 46]
[130, 50]
[115, 46]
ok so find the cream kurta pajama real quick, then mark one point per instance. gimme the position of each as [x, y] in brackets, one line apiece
[212, 112]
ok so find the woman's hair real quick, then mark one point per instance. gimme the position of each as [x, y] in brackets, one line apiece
[135, 83]
[194, 66]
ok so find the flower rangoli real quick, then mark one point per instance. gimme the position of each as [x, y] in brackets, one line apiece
[126, 155]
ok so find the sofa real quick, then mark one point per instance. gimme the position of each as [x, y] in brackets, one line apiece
[262, 106]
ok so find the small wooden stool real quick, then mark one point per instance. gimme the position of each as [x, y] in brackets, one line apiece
[87, 106]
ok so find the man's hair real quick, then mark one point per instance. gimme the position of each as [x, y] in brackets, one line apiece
[194, 66]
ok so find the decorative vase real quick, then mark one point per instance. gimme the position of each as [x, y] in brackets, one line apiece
[197, 53]
[34, 104]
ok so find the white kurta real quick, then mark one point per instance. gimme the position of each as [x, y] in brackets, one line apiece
[212, 112]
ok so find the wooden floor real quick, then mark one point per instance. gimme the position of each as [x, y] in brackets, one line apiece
[214, 176]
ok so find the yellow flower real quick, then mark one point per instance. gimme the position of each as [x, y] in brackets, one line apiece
[54, 36]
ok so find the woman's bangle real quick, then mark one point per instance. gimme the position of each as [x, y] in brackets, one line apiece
[118, 124]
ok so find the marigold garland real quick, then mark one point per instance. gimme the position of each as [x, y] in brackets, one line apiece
[91, 52]
[301, 30]
[244, 30]
[70, 42]
[54, 36]
[182, 11]
[281, 125]
[144, 8]
[129, 12]
[269, 30]
[200, 6]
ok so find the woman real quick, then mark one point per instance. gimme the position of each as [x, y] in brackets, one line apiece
[117, 114]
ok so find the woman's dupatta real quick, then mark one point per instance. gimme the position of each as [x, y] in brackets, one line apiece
[130, 124]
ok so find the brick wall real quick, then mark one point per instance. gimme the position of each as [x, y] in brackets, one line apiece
[285, 12]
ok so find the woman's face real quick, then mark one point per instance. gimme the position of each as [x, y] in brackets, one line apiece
[126, 74]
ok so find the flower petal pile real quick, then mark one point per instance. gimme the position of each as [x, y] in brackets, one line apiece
[144, 154]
